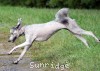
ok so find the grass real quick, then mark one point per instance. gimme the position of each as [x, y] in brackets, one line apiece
[63, 46]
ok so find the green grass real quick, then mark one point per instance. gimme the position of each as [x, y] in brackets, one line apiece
[63, 46]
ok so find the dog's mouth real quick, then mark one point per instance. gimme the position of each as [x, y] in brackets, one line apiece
[12, 40]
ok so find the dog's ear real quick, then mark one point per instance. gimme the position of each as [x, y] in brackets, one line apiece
[19, 23]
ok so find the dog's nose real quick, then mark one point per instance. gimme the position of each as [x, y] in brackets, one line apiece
[9, 41]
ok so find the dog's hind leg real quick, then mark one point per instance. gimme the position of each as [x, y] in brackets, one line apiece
[82, 39]
[90, 34]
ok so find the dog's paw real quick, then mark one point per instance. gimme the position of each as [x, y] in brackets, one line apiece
[98, 41]
[15, 62]
[9, 53]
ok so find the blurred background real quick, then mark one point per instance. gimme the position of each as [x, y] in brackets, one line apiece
[88, 4]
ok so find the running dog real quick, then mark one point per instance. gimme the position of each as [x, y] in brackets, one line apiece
[42, 32]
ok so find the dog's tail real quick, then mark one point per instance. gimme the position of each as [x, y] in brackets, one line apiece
[61, 15]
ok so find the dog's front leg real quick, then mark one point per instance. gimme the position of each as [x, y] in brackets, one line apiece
[83, 40]
[21, 45]
[90, 34]
[27, 45]
[22, 54]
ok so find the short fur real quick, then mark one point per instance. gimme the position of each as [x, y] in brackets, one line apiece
[42, 32]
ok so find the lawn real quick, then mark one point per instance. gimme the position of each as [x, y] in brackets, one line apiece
[63, 46]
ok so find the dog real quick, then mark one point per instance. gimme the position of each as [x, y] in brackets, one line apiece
[42, 32]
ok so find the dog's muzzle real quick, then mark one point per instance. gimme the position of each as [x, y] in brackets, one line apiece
[12, 40]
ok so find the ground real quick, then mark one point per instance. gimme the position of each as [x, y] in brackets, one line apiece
[6, 61]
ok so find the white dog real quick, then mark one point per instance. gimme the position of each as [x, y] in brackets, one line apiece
[42, 32]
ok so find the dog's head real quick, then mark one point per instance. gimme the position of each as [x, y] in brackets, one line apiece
[14, 32]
